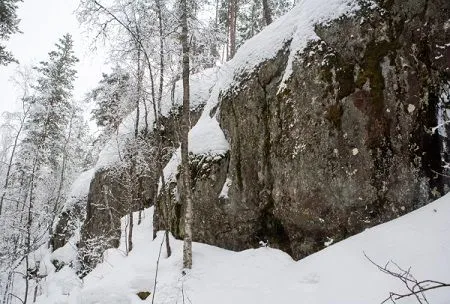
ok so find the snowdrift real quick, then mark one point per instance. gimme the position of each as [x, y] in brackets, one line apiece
[338, 274]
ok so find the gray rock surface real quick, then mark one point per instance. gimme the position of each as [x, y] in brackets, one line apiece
[346, 146]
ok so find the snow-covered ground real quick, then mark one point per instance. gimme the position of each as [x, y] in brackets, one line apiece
[337, 274]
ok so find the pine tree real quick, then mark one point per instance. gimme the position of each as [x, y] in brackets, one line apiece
[44, 150]
[51, 107]
[49, 154]
[112, 100]
[8, 26]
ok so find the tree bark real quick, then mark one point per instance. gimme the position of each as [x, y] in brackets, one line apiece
[165, 197]
[267, 12]
[28, 228]
[130, 233]
[161, 54]
[232, 17]
[185, 125]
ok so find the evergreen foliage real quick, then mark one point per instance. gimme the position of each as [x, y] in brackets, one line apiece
[8, 26]
[51, 107]
[111, 97]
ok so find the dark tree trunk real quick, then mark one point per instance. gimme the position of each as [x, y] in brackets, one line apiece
[267, 12]
[232, 16]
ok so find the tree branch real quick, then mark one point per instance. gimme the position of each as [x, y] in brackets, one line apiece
[415, 288]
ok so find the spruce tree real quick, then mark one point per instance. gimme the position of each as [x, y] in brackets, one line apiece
[44, 151]
[51, 107]
[8, 26]
[112, 99]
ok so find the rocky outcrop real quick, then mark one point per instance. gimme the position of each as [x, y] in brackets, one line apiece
[348, 143]
[115, 192]
[356, 136]
[68, 224]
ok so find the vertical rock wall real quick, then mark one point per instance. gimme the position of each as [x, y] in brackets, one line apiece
[348, 144]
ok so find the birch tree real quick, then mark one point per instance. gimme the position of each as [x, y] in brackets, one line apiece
[185, 126]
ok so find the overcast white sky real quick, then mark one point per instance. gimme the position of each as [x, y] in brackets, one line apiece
[43, 22]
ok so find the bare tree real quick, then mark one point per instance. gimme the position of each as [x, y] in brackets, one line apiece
[139, 39]
[23, 81]
[12, 156]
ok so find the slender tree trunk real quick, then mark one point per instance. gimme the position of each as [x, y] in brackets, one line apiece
[165, 196]
[130, 233]
[139, 86]
[27, 283]
[185, 126]
[29, 223]
[232, 18]
[267, 12]
[213, 48]
[168, 249]
[133, 176]
[216, 19]
[161, 54]
[35, 291]
[9, 282]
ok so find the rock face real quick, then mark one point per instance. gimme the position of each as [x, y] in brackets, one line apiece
[67, 224]
[346, 145]
[114, 193]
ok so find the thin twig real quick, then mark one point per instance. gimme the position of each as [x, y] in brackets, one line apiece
[415, 288]
[157, 268]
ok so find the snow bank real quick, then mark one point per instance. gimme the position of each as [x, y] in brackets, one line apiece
[200, 89]
[205, 138]
[66, 254]
[337, 274]
[79, 188]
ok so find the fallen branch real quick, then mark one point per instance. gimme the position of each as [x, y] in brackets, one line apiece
[415, 288]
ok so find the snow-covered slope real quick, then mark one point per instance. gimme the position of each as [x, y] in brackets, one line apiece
[79, 189]
[338, 274]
